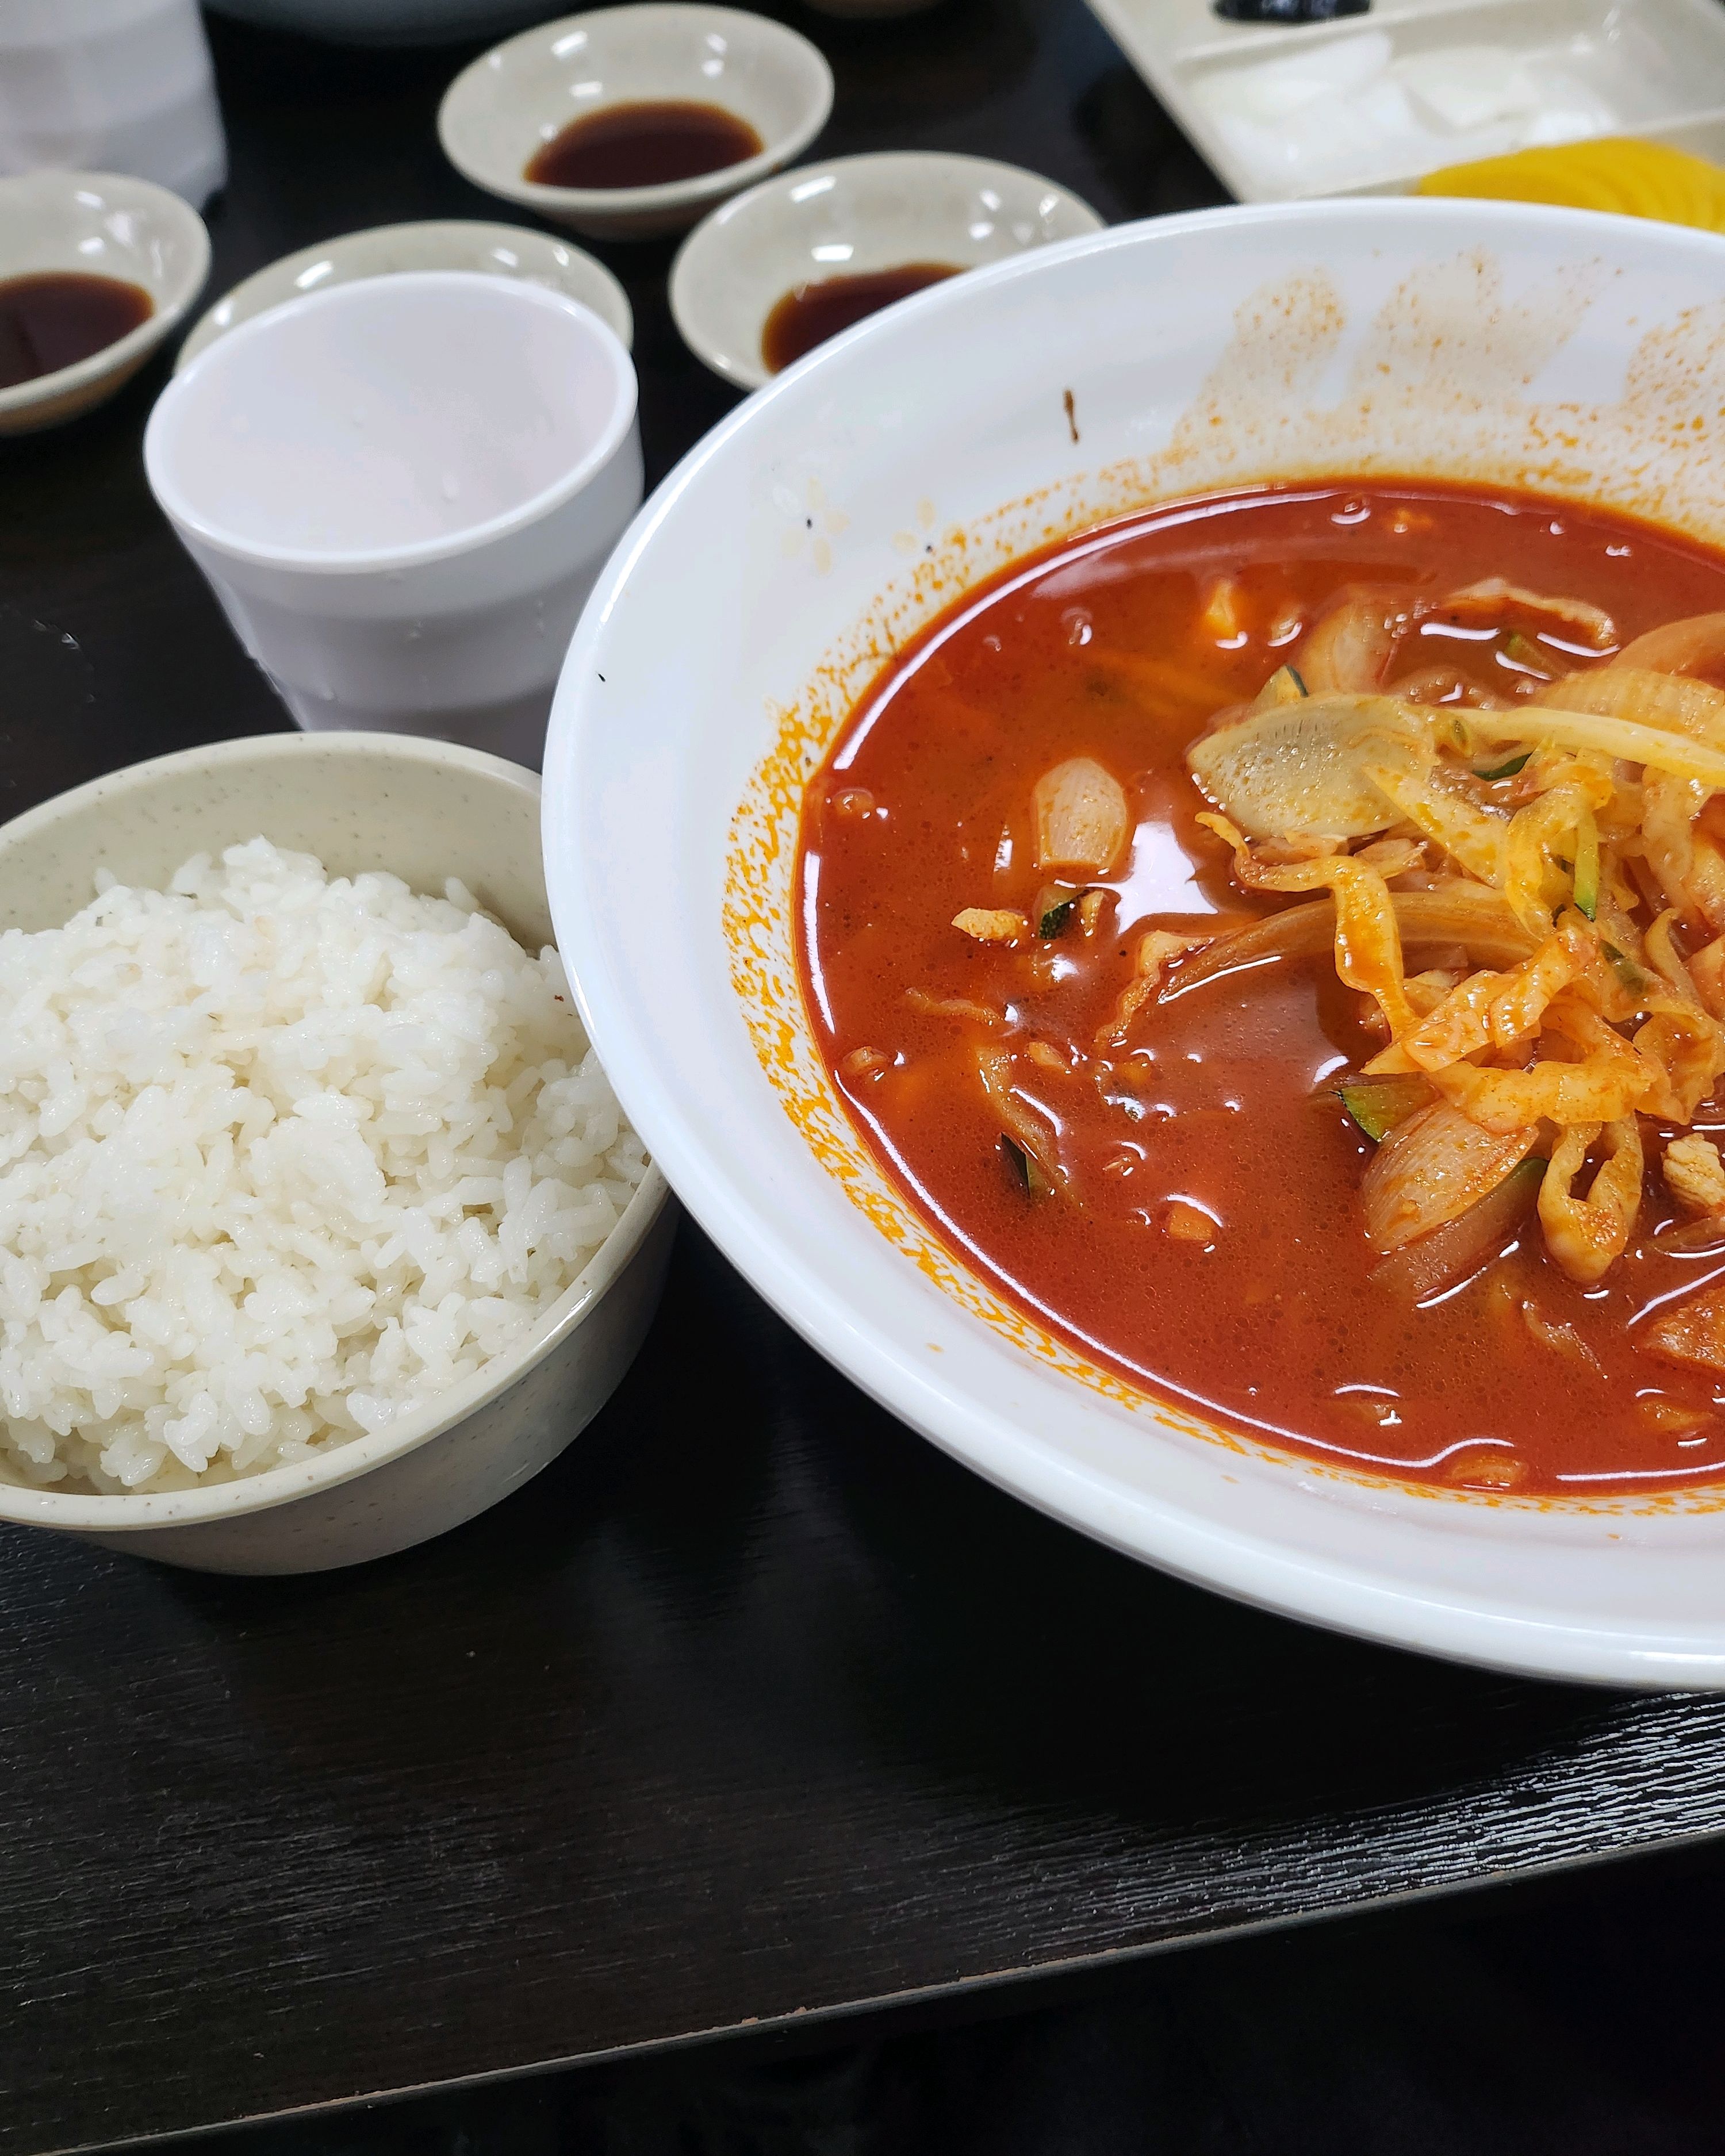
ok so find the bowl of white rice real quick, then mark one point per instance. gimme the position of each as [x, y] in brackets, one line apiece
[321, 1228]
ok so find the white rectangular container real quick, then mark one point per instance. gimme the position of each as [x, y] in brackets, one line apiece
[1370, 103]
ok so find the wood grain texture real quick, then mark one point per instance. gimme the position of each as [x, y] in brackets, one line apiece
[755, 1705]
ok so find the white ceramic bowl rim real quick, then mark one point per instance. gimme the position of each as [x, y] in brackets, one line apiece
[345, 243]
[164, 314]
[890, 160]
[1363, 1598]
[341, 1463]
[665, 194]
[361, 292]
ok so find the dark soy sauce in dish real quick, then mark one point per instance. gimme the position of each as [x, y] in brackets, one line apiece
[644, 144]
[54, 318]
[809, 314]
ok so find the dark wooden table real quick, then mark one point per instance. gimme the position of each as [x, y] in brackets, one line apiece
[755, 1706]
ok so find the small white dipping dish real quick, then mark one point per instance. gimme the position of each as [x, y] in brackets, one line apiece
[386, 250]
[425, 811]
[843, 218]
[102, 224]
[401, 490]
[499, 113]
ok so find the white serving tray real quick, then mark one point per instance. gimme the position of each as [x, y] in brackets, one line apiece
[1658, 66]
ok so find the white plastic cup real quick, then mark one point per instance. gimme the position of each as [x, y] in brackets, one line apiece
[112, 86]
[402, 491]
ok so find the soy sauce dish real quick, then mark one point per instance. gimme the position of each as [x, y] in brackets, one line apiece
[628, 122]
[778, 270]
[1161, 787]
[96, 269]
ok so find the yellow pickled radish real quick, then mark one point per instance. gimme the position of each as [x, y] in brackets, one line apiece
[1616, 173]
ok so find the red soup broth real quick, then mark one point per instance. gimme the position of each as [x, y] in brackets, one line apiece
[1220, 1259]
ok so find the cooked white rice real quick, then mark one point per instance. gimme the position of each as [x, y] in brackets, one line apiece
[281, 1156]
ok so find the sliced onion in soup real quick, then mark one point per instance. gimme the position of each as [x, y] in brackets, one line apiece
[1082, 820]
[1451, 1253]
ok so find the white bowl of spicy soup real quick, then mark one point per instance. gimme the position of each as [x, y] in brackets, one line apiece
[1321, 1201]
